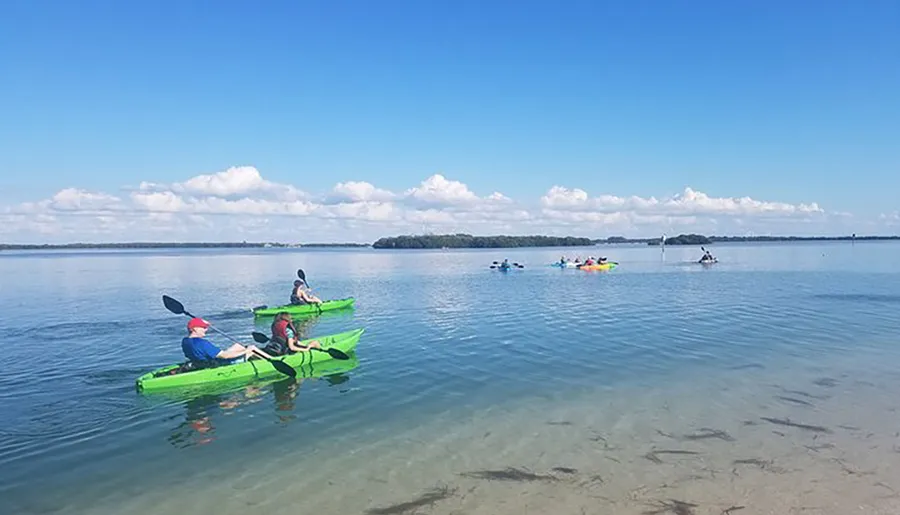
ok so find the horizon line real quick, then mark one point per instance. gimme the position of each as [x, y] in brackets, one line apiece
[263, 244]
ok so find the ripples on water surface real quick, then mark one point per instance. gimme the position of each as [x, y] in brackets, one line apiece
[462, 369]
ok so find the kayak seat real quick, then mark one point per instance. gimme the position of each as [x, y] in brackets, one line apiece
[190, 366]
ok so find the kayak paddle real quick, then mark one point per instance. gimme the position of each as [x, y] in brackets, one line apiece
[302, 275]
[334, 353]
[497, 265]
[178, 308]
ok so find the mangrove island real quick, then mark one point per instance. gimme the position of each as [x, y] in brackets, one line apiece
[467, 241]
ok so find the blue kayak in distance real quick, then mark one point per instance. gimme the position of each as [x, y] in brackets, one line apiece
[506, 267]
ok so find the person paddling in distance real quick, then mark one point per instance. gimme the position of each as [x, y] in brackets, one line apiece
[300, 295]
[203, 353]
[285, 337]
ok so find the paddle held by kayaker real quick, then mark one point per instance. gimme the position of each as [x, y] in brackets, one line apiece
[202, 352]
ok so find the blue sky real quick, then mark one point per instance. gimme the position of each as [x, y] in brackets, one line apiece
[794, 103]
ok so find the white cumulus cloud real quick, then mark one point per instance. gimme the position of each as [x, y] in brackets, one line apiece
[159, 202]
[687, 203]
[439, 191]
[236, 180]
[233, 182]
[359, 191]
[74, 199]
[559, 197]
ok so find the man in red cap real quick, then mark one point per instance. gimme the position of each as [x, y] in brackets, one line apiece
[200, 350]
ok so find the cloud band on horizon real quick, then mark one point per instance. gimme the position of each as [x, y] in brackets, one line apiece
[238, 203]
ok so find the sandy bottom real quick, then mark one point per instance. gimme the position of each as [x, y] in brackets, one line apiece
[743, 442]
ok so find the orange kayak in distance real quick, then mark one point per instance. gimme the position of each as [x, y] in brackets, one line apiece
[604, 266]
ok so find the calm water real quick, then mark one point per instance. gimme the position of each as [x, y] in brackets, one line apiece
[454, 353]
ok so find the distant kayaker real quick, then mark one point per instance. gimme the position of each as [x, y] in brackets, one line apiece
[300, 295]
[285, 337]
[707, 257]
[203, 353]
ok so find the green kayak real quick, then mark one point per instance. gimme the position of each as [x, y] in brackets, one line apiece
[168, 377]
[331, 370]
[304, 309]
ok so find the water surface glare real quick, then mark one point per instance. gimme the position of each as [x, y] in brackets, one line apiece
[763, 384]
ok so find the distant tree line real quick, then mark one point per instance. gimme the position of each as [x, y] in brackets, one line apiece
[467, 241]
[683, 239]
[699, 239]
[132, 245]
[162, 245]
[852, 237]
[335, 245]
[622, 239]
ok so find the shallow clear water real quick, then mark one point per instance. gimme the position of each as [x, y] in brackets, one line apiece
[461, 367]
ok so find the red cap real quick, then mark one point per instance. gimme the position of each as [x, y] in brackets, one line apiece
[197, 322]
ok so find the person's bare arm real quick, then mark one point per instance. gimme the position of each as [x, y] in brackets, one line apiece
[253, 350]
[296, 346]
[235, 351]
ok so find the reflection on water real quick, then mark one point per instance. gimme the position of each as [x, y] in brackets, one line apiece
[859, 297]
[202, 409]
[198, 426]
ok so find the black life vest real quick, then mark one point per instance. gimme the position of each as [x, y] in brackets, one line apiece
[295, 299]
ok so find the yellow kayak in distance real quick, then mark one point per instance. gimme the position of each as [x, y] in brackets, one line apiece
[604, 266]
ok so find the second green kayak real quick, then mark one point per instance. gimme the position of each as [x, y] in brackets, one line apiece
[304, 309]
[169, 377]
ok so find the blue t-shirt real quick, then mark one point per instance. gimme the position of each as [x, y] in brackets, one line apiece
[199, 349]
